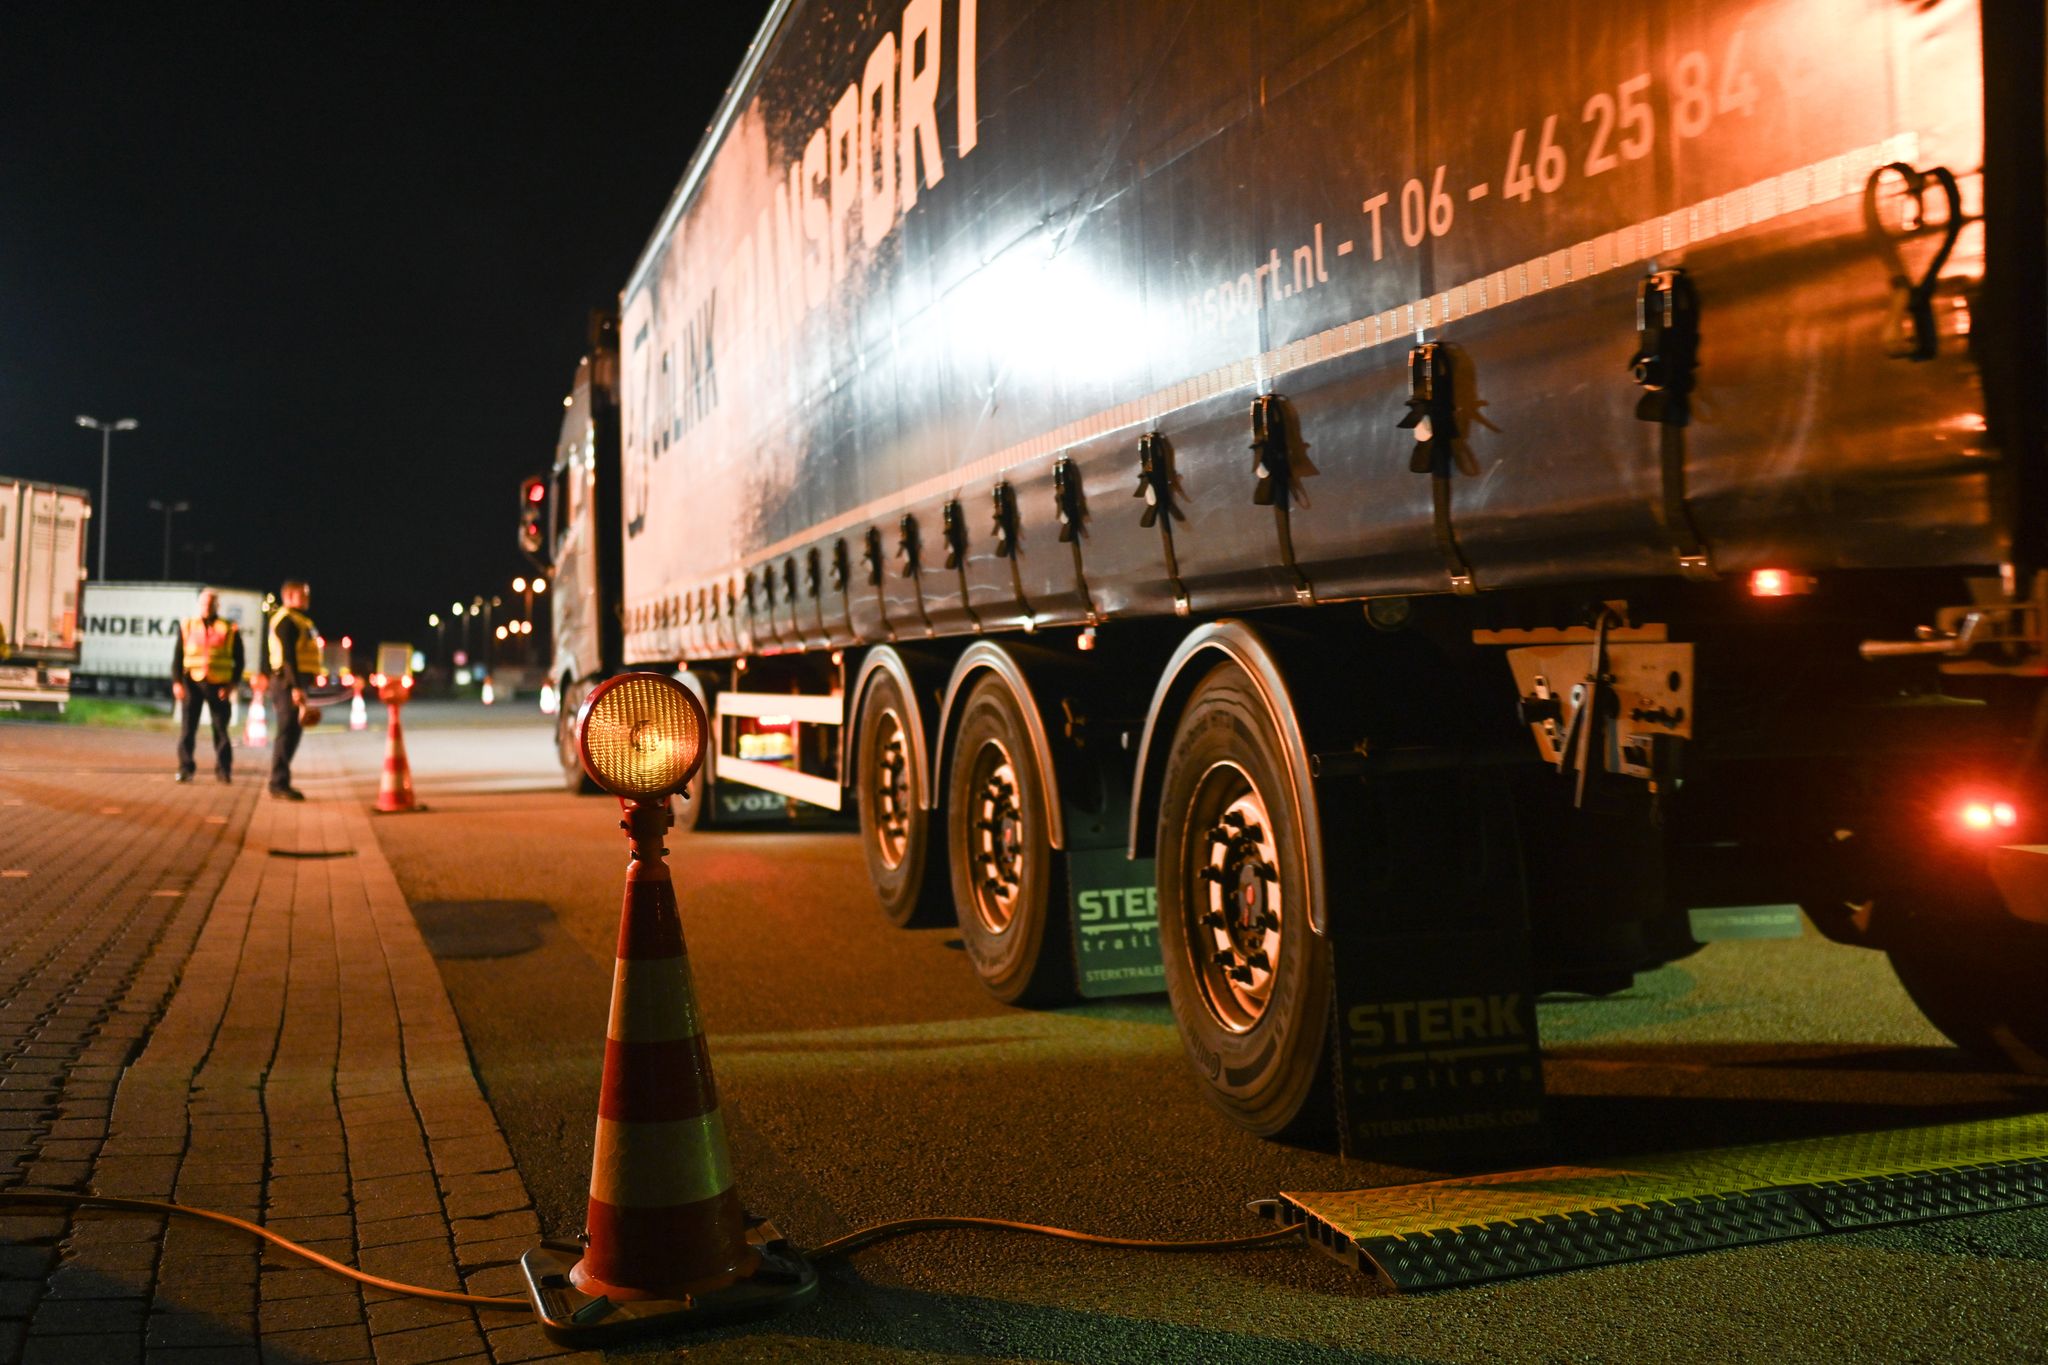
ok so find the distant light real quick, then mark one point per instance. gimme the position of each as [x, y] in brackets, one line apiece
[569, 400]
[540, 585]
[348, 642]
[378, 680]
[2004, 815]
[1086, 641]
[536, 491]
[457, 608]
[1977, 815]
[500, 632]
[419, 662]
[519, 584]
[434, 619]
[462, 677]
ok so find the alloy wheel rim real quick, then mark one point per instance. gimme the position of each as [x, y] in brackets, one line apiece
[1234, 907]
[996, 838]
[892, 791]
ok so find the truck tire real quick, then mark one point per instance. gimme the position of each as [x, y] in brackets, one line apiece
[895, 828]
[1977, 973]
[574, 779]
[1008, 893]
[1248, 979]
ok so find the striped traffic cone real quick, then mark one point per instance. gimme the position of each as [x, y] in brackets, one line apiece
[667, 1239]
[358, 714]
[394, 785]
[665, 1215]
[257, 734]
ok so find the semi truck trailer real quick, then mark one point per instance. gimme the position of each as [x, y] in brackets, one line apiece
[42, 564]
[1357, 514]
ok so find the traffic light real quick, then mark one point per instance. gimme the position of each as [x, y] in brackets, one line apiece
[533, 497]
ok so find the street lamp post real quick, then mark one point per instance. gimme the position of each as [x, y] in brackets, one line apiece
[106, 431]
[169, 509]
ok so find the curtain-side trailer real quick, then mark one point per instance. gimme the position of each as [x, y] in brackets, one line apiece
[42, 565]
[1359, 512]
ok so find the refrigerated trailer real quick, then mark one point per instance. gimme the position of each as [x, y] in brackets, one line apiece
[1358, 513]
[42, 564]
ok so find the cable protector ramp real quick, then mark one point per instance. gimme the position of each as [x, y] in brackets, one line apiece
[1469, 1230]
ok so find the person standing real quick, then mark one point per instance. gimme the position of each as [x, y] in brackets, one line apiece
[294, 665]
[206, 669]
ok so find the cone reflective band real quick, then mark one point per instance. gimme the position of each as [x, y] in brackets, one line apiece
[642, 735]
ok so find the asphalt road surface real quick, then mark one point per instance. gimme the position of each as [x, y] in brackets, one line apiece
[865, 1076]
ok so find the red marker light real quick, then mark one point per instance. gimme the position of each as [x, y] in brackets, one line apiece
[536, 491]
[1984, 815]
[1779, 583]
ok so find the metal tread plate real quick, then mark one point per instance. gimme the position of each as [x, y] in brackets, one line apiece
[1471, 1230]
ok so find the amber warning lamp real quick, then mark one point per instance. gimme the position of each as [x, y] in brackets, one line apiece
[667, 1242]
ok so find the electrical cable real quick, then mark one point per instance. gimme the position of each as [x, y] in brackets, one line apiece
[836, 1249]
[58, 1199]
[855, 1241]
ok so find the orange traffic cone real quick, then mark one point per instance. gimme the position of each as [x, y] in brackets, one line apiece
[257, 733]
[665, 1216]
[358, 714]
[667, 1239]
[394, 786]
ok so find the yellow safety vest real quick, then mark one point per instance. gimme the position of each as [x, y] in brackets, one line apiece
[209, 649]
[307, 657]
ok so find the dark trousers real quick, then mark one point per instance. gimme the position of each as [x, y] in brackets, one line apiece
[284, 732]
[205, 697]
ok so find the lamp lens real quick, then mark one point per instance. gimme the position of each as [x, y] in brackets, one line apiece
[643, 735]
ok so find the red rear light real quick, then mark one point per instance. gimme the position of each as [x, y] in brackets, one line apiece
[1779, 583]
[1985, 815]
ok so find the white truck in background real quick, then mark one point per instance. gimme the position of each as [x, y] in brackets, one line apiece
[126, 630]
[42, 563]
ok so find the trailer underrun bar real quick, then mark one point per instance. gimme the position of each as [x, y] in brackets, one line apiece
[1451, 1233]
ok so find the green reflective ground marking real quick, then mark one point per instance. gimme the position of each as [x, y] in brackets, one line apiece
[1712, 923]
[1489, 1227]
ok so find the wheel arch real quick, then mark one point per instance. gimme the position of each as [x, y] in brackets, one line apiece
[1205, 647]
[988, 656]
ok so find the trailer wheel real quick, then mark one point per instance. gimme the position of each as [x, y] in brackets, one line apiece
[1976, 973]
[1248, 979]
[574, 779]
[1007, 890]
[895, 829]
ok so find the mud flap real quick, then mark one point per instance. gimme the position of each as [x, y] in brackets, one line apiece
[1115, 904]
[735, 804]
[1436, 1055]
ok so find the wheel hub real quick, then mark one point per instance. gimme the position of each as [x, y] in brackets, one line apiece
[1237, 907]
[892, 792]
[998, 840]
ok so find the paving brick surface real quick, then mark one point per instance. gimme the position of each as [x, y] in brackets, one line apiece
[224, 1001]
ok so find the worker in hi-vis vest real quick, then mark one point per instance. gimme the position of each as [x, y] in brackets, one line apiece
[294, 667]
[206, 669]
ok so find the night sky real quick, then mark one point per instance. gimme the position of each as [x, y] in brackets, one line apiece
[336, 259]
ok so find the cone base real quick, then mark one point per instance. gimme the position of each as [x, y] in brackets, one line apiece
[396, 809]
[782, 1280]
